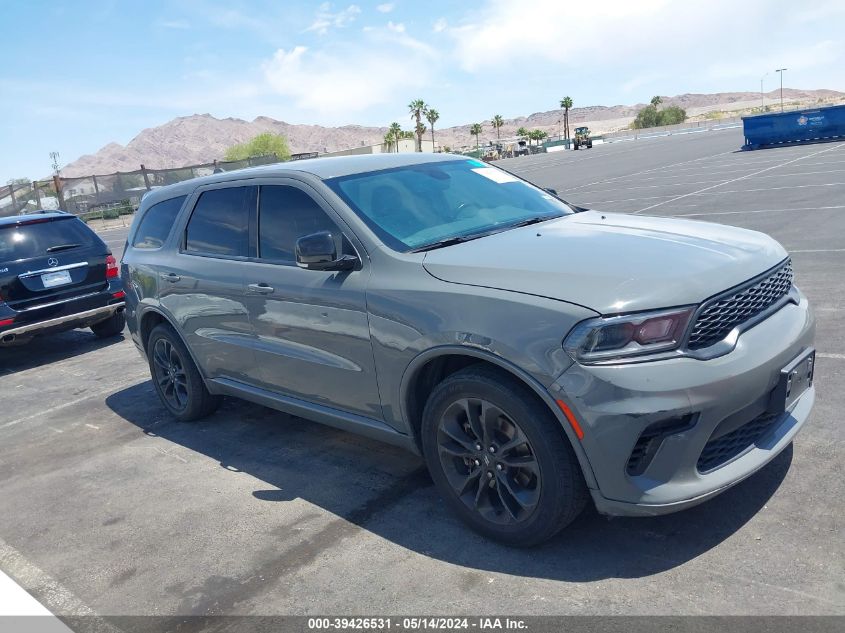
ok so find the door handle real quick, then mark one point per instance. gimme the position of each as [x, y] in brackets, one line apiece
[171, 277]
[262, 288]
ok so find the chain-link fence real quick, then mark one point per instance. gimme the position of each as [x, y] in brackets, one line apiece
[96, 195]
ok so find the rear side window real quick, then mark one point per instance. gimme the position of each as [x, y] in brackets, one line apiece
[41, 238]
[284, 215]
[156, 224]
[219, 224]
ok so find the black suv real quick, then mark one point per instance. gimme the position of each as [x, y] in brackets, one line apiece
[56, 274]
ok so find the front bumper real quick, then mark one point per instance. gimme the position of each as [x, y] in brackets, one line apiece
[616, 403]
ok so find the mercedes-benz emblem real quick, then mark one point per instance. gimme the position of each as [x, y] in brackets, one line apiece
[53, 262]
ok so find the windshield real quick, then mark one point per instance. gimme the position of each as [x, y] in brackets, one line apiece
[415, 206]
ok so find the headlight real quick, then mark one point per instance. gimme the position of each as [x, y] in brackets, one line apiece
[606, 339]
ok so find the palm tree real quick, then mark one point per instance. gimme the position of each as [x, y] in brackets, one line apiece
[396, 130]
[498, 122]
[417, 108]
[431, 116]
[475, 129]
[388, 140]
[566, 104]
[656, 101]
[522, 132]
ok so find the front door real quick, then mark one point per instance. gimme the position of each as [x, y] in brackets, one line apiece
[312, 334]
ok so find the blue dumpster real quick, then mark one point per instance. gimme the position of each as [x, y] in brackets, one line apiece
[798, 126]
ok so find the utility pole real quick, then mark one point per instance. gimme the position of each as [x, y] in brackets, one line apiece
[781, 71]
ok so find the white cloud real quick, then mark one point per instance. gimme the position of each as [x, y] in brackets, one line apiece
[653, 32]
[335, 83]
[326, 18]
[796, 57]
[440, 24]
[386, 7]
[396, 28]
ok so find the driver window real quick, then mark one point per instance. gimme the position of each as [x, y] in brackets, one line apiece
[285, 214]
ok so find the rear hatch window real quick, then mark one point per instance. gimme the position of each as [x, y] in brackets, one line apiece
[40, 237]
[48, 260]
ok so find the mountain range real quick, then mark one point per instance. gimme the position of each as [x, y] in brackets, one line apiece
[201, 138]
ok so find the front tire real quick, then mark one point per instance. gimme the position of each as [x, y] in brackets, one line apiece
[175, 377]
[110, 327]
[499, 457]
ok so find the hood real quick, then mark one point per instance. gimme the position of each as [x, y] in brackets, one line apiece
[611, 262]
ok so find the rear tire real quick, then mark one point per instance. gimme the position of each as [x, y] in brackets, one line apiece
[175, 377]
[524, 484]
[110, 327]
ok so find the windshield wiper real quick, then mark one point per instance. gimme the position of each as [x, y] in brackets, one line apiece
[449, 241]
[529, 221]
[62, 247]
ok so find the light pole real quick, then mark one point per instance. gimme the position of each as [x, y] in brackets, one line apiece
[781, 71]
[762, 103]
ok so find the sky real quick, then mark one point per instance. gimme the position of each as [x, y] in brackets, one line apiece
[76, 75]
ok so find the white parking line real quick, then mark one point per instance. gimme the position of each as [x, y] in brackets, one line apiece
[647, 171]
[819, 250]
[59, 407]
[727, 182]
[830, 355]
[59, 598]
[686, 215]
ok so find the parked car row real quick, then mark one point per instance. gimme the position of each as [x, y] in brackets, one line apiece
[536, 354]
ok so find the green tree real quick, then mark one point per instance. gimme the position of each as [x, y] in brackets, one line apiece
[522, 132]
[432, 116]
[396, 130]
[650, 116]
[389, 140]
[261, 145]
[498, 122]
[475, 129]
[417, 108]
[656, 101]
[566, 104]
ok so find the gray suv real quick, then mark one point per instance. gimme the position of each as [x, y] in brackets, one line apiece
[535, 354]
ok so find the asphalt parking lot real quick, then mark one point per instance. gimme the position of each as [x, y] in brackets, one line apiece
[112, 508]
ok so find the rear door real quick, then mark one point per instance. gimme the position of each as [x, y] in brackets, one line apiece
[201, 281]
[45, 262]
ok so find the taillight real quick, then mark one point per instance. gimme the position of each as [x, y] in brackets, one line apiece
[111, 267]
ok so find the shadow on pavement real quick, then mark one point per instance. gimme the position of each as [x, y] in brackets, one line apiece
[51, 348]
[388, 492]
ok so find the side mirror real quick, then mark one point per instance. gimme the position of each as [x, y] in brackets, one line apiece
[318, 252]
[551, 191]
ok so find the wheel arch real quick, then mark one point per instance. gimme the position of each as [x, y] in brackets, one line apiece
[429, 368]
[153, 317]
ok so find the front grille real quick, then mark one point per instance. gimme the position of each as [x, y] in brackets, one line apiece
[721, 315]
[722, 449]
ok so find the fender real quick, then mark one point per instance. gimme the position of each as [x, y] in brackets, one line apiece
[167, 319]
[421, 359]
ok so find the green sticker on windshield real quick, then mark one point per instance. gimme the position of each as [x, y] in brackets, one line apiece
[476, 163]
